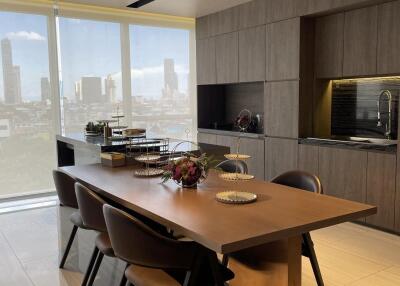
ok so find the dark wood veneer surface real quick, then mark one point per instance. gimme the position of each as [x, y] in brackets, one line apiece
[279, 213]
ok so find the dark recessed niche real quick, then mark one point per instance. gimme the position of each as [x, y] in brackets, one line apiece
[219, 105]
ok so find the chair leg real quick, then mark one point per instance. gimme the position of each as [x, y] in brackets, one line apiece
[90, 266]
[213, 260]
[68, 248]
[95, 269]
[313, 258]
[123, 279]
[225, 260]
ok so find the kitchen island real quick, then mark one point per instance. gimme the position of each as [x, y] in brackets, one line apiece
[78, 149]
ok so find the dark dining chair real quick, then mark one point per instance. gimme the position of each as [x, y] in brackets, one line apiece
[153, 258]
[233, 166]
[66, 194]
[311, 183]
[91, 207]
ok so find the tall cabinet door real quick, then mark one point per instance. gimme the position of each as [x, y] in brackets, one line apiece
[381, 188]
[343, 173]
[252, 54]
[281, 155]
[360, 42]
[206, 67]
[281, 108]
[389, 38]
[329, 46]
[283, 50]
[227, 58]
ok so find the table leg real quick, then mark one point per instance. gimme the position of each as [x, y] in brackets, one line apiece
[277, 263]
[216, 271]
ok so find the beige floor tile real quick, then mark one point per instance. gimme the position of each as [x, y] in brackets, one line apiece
[11, 273]
[382, 251]
[33, 235]
[45, 272]
[333, 233]
[388, 277]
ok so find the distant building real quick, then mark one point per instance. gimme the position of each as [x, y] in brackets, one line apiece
[89, 90]
[110, 88]
[170, 79]
[4, 128]
[78, 96]
[11, 75]
[45, 89]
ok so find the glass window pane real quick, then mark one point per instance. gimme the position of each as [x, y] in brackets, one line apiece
[91, 88]
[161, 99]
[27, 145]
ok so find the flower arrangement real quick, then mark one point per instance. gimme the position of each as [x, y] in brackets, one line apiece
[189, 170]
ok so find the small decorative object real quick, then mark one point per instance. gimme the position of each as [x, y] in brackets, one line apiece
[148, 172]
[112, 159]
[137, 132]
[237, 156]
[236, 177]
[235, 197]
[93, 129]
[188, 171]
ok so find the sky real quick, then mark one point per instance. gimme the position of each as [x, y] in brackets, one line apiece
[92, 48]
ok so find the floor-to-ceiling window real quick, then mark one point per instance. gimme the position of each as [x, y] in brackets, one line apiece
[63, 65]
[26, 119]
[160, 76]
[91, 85]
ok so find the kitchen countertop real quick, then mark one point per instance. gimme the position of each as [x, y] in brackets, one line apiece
[387, 147]
[231, 133]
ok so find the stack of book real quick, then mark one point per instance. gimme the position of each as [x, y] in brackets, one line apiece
[112, 159]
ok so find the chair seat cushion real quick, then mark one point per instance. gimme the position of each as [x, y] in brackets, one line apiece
[76, 219]
[103, 243]
[143, 276]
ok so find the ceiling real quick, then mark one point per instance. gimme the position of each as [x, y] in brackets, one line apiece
[185, 8]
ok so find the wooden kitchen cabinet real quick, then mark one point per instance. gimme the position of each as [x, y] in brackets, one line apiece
[283, 50]
[278, 10]
[227, 20]
[389, 38]
[250, 146]
[329, 35]
[252, 14]
[202, 27]
[281, 155]
[282, 109]
[252, 54]
[360, 42]
[381, 188]
[227, 58]
[206, 61]
[207, 138]
[343, 173]
[308, 158]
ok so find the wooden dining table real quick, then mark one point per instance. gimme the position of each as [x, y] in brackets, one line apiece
[263, 238]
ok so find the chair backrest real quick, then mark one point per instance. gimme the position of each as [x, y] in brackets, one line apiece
[65, 189]
[300, 180]
[91, 208]
[136, 243]
[233, 166]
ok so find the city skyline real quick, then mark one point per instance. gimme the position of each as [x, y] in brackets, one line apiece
[11, 74]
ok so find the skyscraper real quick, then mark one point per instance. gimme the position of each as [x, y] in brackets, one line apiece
[170, 76]
[45, 89]
[170, 80]
[11, 75]
[110, 86]
[91, 90]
